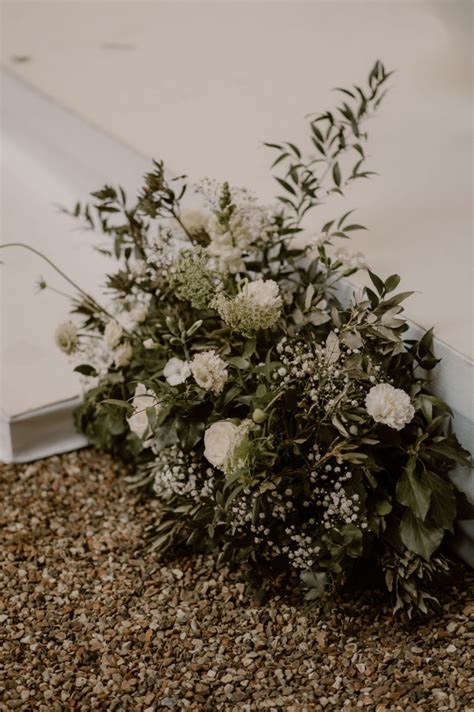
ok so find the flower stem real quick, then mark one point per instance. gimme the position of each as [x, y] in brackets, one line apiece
[59, 271]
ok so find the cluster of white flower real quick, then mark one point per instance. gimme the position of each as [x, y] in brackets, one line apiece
[246, 227]
[313, 367]
[209, 371]
[257, 306]
[176, 474]
[138, 269]
[232, 234]
[331, 496]
[243, 507]
[305, 551]
[300, 549]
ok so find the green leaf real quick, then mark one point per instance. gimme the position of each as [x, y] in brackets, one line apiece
[349, 228]
[421, 538]
[316, 581]
[336, 174]
[443, 500]
[286, 186]
[377, 282]
[86, 369]
[392, 282]
[117, 402]
[239, 362]
[413, 492]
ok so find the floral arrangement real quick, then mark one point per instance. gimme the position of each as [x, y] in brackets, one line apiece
[282, 425]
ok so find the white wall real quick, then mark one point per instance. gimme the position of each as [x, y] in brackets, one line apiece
[202, 84]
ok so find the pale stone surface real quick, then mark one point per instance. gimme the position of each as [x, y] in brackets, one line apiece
[202, 84]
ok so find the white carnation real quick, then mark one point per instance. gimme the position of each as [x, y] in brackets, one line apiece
[66, 337]
[194, 221]
[142, 399]
[113, 333]
[389, 405]
[209, 371]
[226, 445]
[123, 354]
[263, 293]
[176, 371]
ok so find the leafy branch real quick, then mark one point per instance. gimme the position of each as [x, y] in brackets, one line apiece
[339, 139]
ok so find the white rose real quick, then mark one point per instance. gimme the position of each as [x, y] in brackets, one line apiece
[139, 313]
[142, 399]
[123, 354]
[264, 293]
[66, 337]
[112, 333]
[209, 371]
[194, 220]
[176, 371]
[389, 405]
[220, 440]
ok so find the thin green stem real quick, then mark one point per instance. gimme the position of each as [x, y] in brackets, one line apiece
[60, 272]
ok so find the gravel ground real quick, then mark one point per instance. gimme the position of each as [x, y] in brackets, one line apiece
[89, 620]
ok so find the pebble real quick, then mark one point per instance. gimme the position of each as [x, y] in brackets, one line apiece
[91, 619]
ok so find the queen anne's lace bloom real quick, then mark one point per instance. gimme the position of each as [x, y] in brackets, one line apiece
[192, 277]
[389, 405]
[66, 337]
[209, 371]
[257, 306]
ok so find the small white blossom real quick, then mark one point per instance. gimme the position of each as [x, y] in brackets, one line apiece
[389, 405]
[138, 268]
[351, 260]
[149, 344]
[139, 313]
[66, 337]
[176, 371]
[113, 333]
[123, 354]
[209, 371]
[143, 399]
